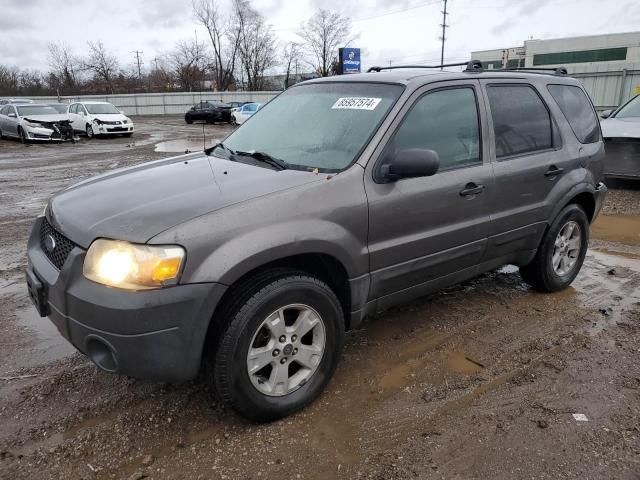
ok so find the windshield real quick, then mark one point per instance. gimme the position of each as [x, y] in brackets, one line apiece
[323, 125]
[101, 108]
[59, 107]
[631, 109]
[36, 110]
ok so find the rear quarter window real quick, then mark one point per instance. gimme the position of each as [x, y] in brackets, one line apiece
[577, 109]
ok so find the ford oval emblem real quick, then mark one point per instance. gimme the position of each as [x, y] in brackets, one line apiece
[49, 243]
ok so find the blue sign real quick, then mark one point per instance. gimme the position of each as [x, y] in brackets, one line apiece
[350, 59]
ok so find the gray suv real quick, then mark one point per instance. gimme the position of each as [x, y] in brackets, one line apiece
[340, 198]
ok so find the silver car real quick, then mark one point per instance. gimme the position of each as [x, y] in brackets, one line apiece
[621, 132]
[32, 122]
[6, 101]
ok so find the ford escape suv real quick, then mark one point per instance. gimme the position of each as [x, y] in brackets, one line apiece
[340, 198]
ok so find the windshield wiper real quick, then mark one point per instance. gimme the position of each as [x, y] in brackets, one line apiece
[264, 157]
[209, 150]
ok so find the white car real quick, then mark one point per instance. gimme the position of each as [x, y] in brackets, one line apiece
[99, 118]
[241, 114]
[621, 132]
[33, 122]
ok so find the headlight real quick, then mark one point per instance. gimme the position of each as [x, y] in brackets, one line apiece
[133, 267]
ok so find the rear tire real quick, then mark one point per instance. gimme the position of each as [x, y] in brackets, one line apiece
[1, 135]
[273, 308]
[189, 120]
[561, 252]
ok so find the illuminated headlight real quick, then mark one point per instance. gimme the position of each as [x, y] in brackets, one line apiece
[133, 267]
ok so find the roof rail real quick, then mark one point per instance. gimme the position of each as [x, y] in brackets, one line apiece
[475, 66]
[553, 70]
[395, 67]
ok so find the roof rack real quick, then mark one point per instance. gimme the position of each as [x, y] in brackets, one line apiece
[396, 67]
[475, 66]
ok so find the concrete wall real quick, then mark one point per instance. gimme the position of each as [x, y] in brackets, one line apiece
[163, 103]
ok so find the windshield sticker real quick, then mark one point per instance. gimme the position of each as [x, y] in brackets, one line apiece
[357, 103]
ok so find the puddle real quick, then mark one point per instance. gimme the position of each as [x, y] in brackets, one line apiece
[185, 146]
[613, 294]
[617, 228]
[458, 362]
[49, 344]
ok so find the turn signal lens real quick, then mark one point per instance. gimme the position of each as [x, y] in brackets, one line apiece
[134, 267]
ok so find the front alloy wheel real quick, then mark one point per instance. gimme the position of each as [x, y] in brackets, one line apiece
[89, 132]
[278, 345]
[286, 350]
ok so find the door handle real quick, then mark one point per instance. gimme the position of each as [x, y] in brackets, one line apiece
[471, 189]
[553, 171]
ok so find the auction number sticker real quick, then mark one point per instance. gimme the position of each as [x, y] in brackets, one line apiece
[357, 103]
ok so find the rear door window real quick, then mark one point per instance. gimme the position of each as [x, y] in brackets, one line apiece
[578, 111]
[521, 120]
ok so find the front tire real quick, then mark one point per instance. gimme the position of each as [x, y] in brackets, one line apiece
[280, 347]
[89, 131]
[21, 136]
[561, 252]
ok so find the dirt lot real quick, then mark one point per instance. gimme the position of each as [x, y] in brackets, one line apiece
[480, 380]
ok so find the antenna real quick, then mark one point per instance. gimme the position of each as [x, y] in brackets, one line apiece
[204, 138]
[443, 37]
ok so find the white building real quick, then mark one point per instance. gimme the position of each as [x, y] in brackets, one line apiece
[609, 64]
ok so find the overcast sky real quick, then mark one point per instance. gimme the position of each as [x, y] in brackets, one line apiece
[401, 31]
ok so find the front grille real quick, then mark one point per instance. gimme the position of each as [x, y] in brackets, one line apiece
[62, 246]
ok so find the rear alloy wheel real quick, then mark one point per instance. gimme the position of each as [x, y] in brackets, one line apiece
[280, 346]
[561, 252]
[89, 131]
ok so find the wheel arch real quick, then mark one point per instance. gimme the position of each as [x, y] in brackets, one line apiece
[325, 267]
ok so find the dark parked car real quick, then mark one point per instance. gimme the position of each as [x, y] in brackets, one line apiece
[340, 198]
[209, 111]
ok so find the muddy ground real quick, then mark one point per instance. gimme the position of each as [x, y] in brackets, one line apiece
[480, 380]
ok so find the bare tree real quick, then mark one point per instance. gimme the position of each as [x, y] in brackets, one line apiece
[225, 40]
[257, 44]
[322, 35]
[291, 57]
[187, 61]
[64, 64]
[103, 65]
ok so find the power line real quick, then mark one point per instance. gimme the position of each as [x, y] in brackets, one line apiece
[444, 26]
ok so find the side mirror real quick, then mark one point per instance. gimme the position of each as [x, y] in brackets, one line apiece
[411, 163]
[606, 113]
[122, 112]
[12, 115]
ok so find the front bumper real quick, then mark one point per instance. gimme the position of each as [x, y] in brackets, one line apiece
[41, 134]
[103, 129]
[151, 334]
[622, 158]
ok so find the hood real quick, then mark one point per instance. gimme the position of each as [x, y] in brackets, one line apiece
[109, 117]
[47, 118]
[137, 203]
[621, 127]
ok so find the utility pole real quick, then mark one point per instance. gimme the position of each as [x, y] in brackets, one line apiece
[138, 53]
[444, 26]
